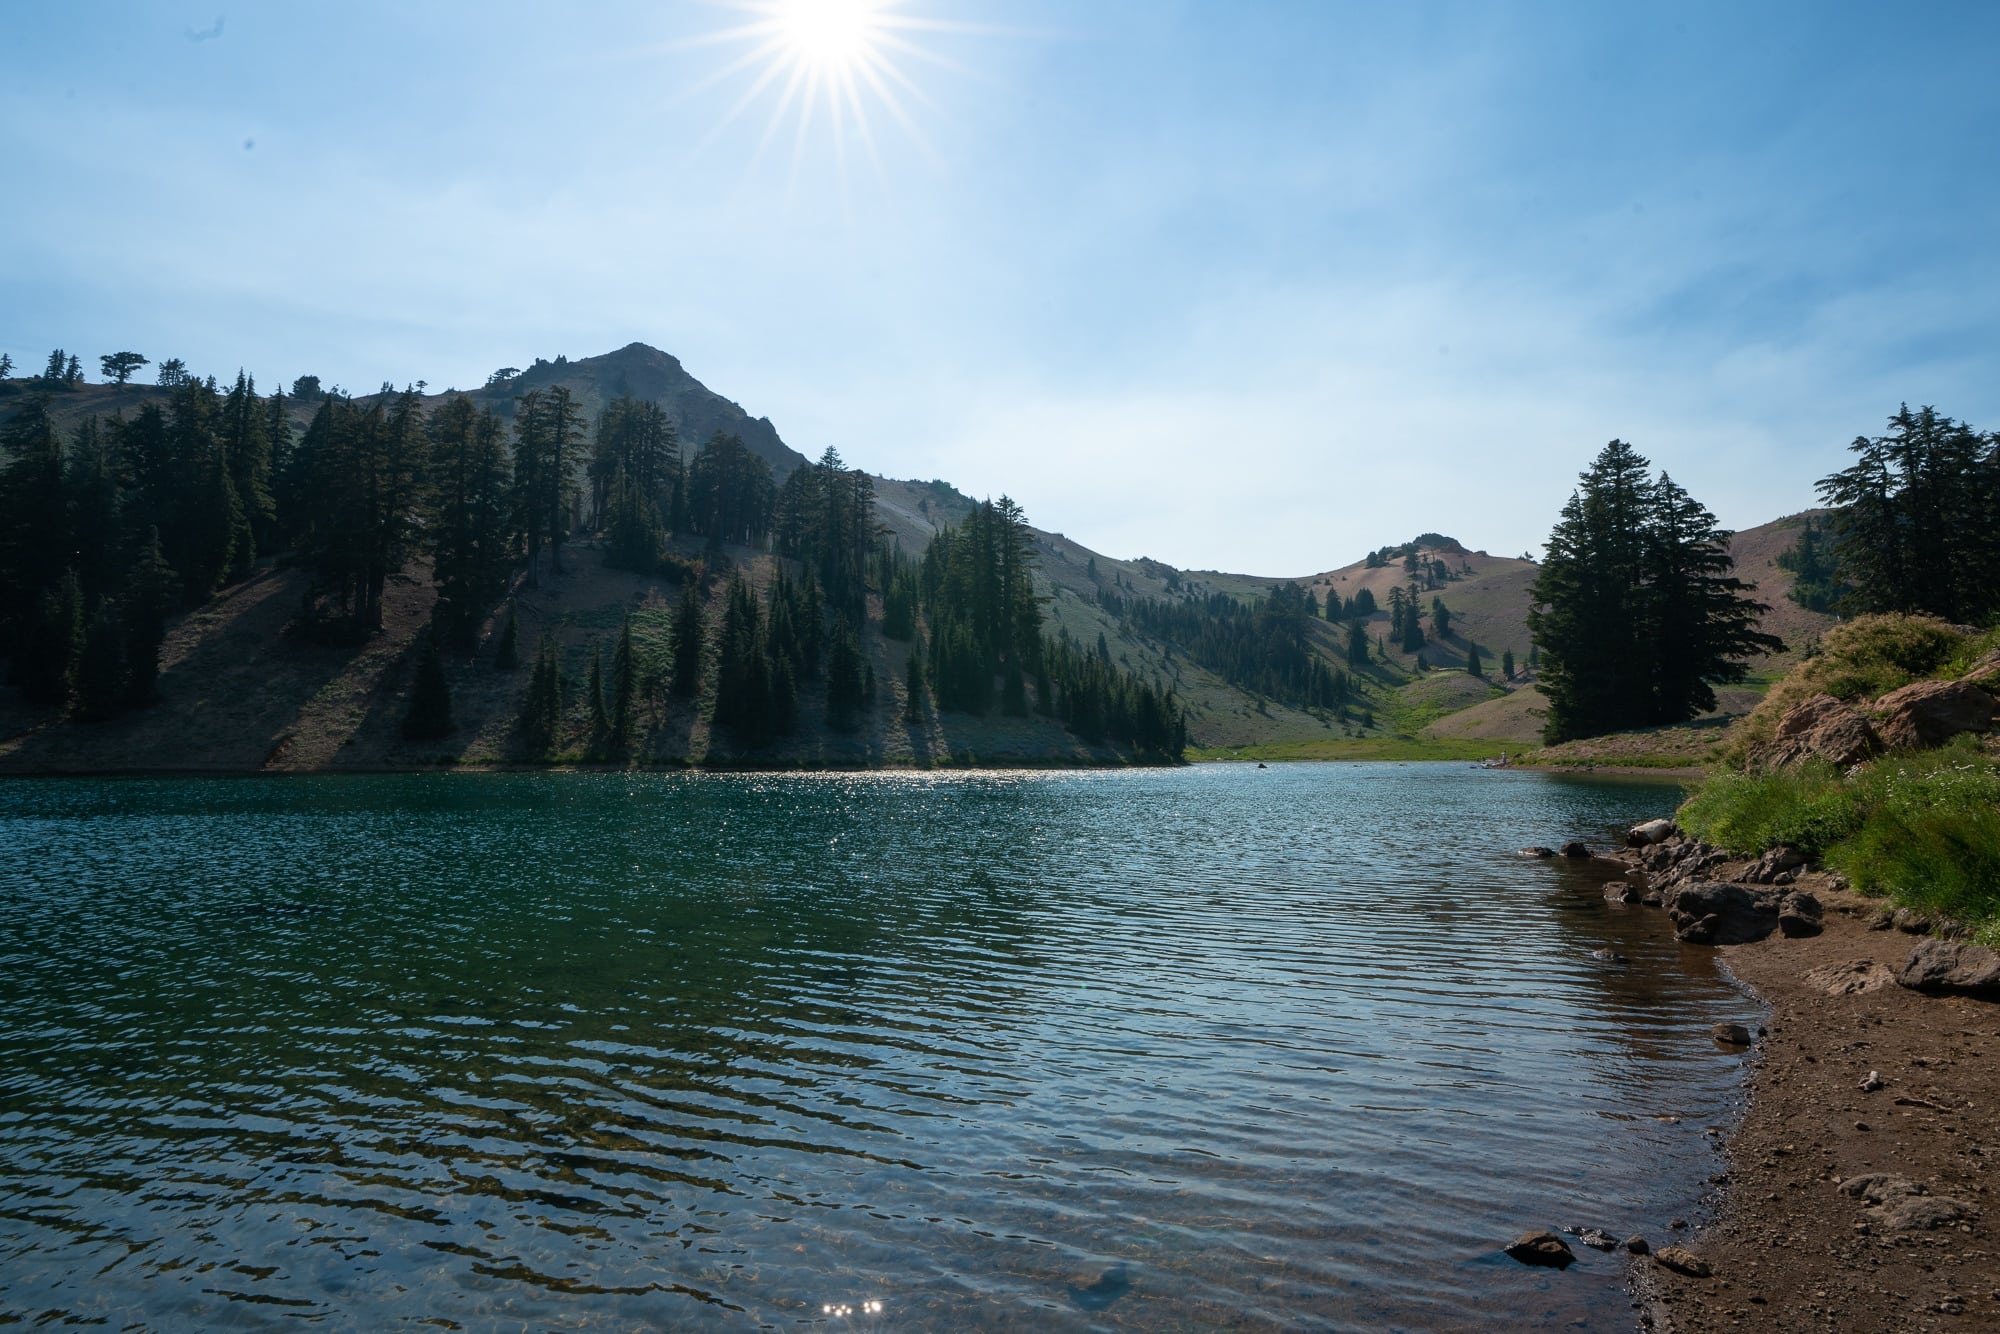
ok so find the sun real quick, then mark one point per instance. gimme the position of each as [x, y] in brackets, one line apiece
[837, 65]
[832, 35]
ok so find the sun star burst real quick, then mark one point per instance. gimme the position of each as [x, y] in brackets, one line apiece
[836, 62]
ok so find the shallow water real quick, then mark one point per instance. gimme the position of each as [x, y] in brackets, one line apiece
[1296, 1047]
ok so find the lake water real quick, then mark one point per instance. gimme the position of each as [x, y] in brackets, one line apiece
[1217, 1046]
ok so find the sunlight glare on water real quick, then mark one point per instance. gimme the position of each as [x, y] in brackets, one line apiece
[1288, 1048]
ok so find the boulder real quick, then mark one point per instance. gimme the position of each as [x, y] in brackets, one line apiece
[1820, 726]
[1799, 914]
[1903, 1205]
[1595, 1237]
[1930, 713]
[1536, 852]
[1767, 869]
[1576, 850]
[1706, 912]
[1653, 831]
[1732, 1035]
[1952, 967]
[1683, 1261]
[1620, 891]
[1637, 1245]
[1542, 1248]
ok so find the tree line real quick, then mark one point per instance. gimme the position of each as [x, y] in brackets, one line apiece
[1265, 645]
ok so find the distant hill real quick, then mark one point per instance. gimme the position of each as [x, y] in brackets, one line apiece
[317, 718]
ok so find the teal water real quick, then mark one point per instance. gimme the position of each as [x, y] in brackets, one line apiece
[1218, 1046]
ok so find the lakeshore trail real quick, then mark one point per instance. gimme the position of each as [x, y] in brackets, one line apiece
[1881, 1080]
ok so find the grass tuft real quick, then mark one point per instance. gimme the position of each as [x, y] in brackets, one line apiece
[1922, 829]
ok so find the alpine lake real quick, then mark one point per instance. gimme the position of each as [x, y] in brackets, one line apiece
[1219, 1046]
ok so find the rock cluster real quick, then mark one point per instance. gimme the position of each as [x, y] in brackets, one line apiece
[1915, 717]
[1902, 1205]
[1706, 912]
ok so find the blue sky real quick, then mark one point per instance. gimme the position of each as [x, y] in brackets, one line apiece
[1249, 286]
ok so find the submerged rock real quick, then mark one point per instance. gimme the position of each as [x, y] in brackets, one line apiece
[1536, 852]
[1112, 1284]
[1637, 1245]
[1576, 850]
[1952, 967]
[1734, 1035]
[1594, 1237]
[1542, 1248]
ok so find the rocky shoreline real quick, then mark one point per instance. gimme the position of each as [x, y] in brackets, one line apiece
[1857, 1191]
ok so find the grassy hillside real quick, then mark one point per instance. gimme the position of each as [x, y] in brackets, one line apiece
[238, 694]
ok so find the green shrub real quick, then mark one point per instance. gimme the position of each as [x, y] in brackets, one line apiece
[1866, 657]
[1923, 829]
[1810, 808]
[1932, 833]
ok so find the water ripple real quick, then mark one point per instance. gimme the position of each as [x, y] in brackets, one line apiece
[1210, 1046]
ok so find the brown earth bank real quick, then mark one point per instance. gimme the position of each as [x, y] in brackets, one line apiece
[1857, 1195]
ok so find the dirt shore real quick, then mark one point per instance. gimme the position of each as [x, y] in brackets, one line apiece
[1872, 1079]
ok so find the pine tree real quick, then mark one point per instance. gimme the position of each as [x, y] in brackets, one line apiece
[542, 710]
[688, 628]
[625, 690]
[429, 715]
[600, 719]
[1507, 664]
[914, 687]
[103, 676]
[508, 657]
[1440, 618]
[843, 679]
[1915, 519]
[467, 510]
[1473, 665]
[1635, 610]
[152, 590]
[6, 366]
[119, 366]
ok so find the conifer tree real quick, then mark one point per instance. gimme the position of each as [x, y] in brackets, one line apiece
[1634, 611]
[103, 677]
[844, 685]
[914, 687]
[508, 656]
[119, 366]
[542, 710]
[467, 511]
[1473, 665]
[1507, 664]
[152, 590]
[688, 629]
[600, 718]
[625, 690]
[1915, 518]
[429, 714]
[6, 366]
[1440, 618]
